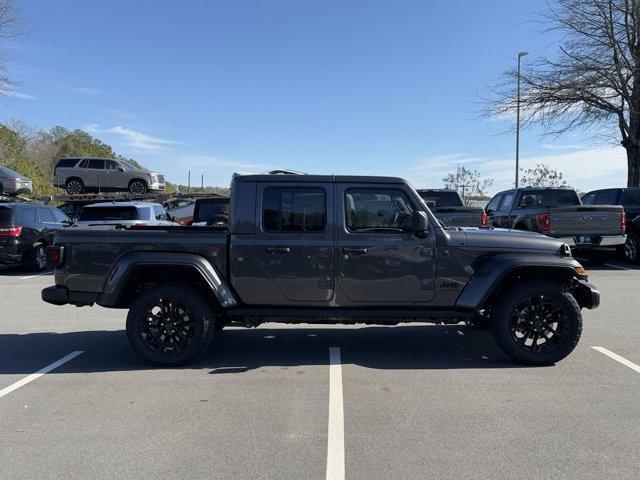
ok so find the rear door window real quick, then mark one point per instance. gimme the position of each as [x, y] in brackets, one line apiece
[507, 202]
[45, 215]
[294, 209]
[27, 215]
[96, 164]
[607, 197]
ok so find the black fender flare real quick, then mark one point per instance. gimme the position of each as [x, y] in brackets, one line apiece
[121, 272]
[489, 274]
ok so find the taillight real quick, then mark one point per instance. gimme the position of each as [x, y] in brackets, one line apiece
[10, 231]
[544, 221]
[623, 222]
[54, 255]
[484, 220]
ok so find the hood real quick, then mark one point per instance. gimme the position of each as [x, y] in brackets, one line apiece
[501, 238]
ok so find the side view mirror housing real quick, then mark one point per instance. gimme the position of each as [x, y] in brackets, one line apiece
[420, 223]
[120, 169]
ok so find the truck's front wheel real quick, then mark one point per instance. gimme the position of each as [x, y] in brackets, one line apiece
[170, 324]
[536, 322]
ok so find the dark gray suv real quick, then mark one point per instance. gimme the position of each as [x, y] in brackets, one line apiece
[80, 175]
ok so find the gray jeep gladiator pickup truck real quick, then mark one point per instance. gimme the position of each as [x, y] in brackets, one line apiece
[326, 249]
[449, 208]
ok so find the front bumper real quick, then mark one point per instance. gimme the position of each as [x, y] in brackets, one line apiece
[156, 186]
[12, 252]
[58, 295]
[587, 295]
[604, 241]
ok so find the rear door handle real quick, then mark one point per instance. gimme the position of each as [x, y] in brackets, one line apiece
[278, 250]
[354, 250]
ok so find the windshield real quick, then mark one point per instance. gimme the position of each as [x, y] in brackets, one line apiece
[101, 214]
[442, 199]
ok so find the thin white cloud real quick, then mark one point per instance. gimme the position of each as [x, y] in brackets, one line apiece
[82, 90]
[550, 146]
[14, 94]
[585, 169]
[134, 139]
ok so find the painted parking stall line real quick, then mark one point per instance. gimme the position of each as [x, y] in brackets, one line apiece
[36, 275]
[38, 374]
[618, 358]
[335, 434]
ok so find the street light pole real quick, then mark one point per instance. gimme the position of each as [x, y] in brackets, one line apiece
[520, 55]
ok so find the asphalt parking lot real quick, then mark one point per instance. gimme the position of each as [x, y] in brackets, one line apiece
[305, 402]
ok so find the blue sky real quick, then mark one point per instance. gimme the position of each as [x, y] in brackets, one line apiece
[348, 87]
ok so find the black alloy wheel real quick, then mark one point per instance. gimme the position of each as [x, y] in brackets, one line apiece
[137, 187]
[537, 322]
[170, 324]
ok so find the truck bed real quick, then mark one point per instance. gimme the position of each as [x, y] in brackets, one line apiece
[95, 251]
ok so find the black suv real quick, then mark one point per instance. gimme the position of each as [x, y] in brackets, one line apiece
[629, 198]
[25, 229]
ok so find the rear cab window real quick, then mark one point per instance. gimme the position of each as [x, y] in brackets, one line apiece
[442, 199]
[294, 209]
[206, 210]
[507, 201]
[548, 198]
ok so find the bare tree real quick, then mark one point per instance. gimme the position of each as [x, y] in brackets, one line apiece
[593, 81]
[468, 183]
[542, 176]
[11, 27]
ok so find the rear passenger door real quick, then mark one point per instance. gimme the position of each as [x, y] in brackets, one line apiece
[294, 241]
[92, 172]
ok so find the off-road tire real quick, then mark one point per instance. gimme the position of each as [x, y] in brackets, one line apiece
[197, 306]
[74, 186]
[505, 305]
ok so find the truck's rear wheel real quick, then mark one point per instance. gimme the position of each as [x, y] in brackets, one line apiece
[536, 322]
[170, 325]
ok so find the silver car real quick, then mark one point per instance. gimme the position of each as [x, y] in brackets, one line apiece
[12, 183]
[80, 175]
[124, 213]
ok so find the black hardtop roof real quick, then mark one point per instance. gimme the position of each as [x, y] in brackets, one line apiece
[318, 179]
[528, 189]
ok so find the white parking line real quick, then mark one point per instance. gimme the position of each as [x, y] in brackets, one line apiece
[618, 358]
[38, 374]
[616, 266]
[36, 275]
[335, 435]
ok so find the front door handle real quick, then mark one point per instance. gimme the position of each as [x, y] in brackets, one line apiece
[354, 250]
[278, 250]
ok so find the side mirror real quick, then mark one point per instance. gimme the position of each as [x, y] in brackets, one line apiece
[420, 223]
[489, 211]
[120, 169]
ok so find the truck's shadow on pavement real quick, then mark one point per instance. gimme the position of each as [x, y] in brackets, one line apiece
[235, 351]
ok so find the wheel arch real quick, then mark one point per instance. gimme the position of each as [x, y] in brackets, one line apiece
[136, 270]
[499, 271]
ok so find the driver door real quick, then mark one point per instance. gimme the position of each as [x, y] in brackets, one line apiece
[380, 259]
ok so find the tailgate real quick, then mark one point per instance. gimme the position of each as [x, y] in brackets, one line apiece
[459, 216]
[586, 220]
